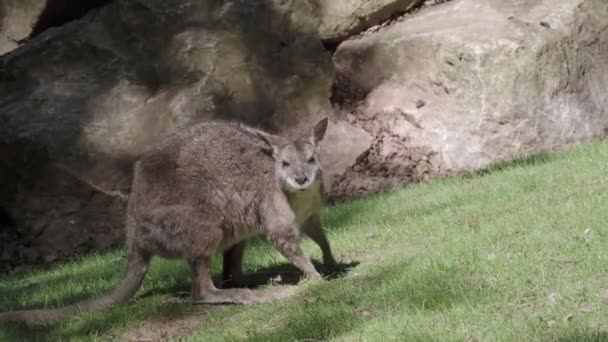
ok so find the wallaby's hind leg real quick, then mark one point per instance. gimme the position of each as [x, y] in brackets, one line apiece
[203, 289]
[201, 277]
[182, 230]
[205, 292]
[312, 228]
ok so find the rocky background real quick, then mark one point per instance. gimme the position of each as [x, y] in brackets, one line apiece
[414, 89]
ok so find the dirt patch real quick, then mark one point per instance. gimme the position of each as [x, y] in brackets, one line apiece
[345, 94]
[170, 328]
[164, 329]
[392, 160]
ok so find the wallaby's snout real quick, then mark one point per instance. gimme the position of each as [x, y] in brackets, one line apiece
[301, 180]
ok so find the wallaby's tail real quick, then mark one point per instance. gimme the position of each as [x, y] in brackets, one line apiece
[136, 271]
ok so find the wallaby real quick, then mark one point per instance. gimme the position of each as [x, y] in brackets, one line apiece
[209, 188]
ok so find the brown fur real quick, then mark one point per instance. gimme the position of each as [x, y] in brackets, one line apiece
[206, 189]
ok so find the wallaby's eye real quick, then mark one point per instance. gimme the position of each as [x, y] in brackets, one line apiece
[285, 163]
[311, 160]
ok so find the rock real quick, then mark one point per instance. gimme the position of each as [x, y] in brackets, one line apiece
[17, 18]
[495, 83]
[340, 148]
[6, 255]
[124, 78]
[80, 102]
[28, 254]
[50, 257]
[23, 19]
[340, 19]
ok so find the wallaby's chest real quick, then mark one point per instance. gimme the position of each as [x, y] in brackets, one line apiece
[307, 202]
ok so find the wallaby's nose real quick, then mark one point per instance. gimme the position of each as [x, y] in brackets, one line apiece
[301, 180]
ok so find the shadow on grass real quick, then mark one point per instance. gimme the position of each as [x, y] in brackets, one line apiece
[319, 312]
[344, 214]
[331, 310]
[25, 288]
[155, 305]
[353, 213]
[584, 336]
[531, 160]
[287, 274]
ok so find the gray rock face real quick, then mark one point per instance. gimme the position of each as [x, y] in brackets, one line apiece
[17, 18]
[339, 19]
[455, 87]
[21, 20]
[471, 82]
[79, 103]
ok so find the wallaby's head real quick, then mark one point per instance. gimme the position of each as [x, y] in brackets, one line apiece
[297, 163]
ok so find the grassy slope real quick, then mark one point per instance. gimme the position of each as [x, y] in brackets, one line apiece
[516, 253]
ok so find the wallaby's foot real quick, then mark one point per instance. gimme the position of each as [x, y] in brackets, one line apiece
[313, 276]
[229, 296]
[280, 292]
[245, 296]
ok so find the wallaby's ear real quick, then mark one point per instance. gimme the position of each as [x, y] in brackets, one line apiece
[270, 148]
[319, 131]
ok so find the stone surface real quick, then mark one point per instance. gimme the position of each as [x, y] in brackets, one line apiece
[21, 20]
[453, 87]
[79, 103]
[471, 82]
[340, 148]
[17, 18]
[340, 19]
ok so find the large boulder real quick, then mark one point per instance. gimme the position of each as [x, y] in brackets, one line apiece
[17, 19]
[79, 103]
[340, 19]
[471, 82]
[24, 19]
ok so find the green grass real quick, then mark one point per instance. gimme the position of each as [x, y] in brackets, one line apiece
[518, 252]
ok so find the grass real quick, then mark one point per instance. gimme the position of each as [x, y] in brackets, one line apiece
[518, 252]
